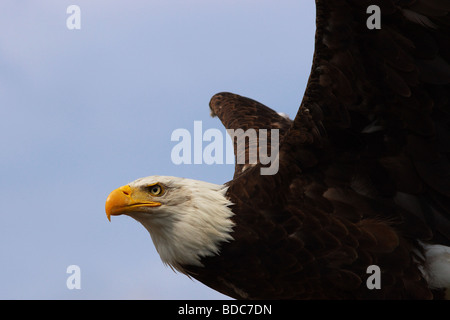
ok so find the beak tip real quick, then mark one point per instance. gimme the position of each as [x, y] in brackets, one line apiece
[117, 198]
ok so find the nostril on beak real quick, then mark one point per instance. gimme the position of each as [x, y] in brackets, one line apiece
[126, 190]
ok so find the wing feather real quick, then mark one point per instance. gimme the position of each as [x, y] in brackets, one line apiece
[386, 95]
[237, 112]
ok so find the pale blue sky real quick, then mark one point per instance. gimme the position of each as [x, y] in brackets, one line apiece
[85, 111]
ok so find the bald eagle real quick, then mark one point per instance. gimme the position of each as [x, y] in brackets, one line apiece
[363, 178]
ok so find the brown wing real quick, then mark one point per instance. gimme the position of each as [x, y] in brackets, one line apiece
[365, 190]
[383, 96]
[239, 115]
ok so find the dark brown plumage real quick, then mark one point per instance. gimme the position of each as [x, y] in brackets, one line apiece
[364, 167]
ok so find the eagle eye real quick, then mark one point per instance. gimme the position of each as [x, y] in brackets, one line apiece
[155, 190]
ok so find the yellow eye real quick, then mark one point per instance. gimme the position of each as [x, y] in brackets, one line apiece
[156, 190]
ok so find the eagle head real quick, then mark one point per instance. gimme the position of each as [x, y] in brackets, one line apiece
[187, 219]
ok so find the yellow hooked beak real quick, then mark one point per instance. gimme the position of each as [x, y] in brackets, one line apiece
[125, 199]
